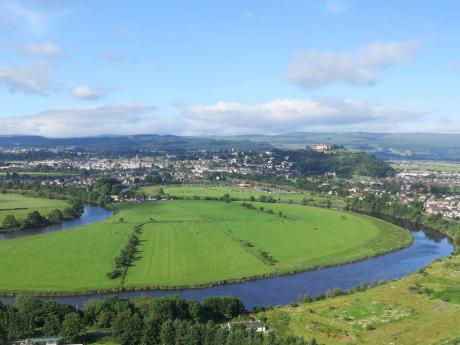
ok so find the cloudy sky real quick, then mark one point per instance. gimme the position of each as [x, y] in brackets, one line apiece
[85, 67]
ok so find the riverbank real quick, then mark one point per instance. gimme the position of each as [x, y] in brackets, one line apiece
[90, 215]
[422, 308]
[16, 209]
[282, 290]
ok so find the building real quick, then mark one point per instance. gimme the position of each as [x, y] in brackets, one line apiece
[257, 326]
[322, 147]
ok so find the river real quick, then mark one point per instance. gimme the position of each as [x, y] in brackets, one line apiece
[282, 289]
[91, 214]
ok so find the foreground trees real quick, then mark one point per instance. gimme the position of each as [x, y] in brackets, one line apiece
[161, 321]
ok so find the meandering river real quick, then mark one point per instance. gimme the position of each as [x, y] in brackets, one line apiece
[283, 289]
[91, 214]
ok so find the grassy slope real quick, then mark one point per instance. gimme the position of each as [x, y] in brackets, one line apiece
[236, 192]
[20, 205]
[193, 243]
[397, 314]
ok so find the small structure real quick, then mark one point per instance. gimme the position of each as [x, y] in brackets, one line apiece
[251, 325]
[323, 148]
[41, 341]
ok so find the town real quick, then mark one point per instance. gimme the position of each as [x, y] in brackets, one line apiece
[438, 189]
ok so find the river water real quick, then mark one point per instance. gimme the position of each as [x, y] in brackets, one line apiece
[91, 214]
[282, 289]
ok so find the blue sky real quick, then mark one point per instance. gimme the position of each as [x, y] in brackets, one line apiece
[76, 68]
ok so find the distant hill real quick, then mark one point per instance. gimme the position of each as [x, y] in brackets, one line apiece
[343, 162]
[410, 146]
[417, 146]
[128, 143]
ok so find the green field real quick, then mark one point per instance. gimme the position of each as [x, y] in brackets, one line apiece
[20, 205]
[193, 243]
[421, 309]
[190, 191]
[428, 166]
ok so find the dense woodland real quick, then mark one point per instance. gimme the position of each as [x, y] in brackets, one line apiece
[165, 321]
[343, 162]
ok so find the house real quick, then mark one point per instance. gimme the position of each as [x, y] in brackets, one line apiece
[323, 148]
[41, 341]
[257, 326]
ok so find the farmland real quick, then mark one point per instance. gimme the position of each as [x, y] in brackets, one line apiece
[20, 205]
[193, 243]
[278, 194]
[427, 166]
[423, 308]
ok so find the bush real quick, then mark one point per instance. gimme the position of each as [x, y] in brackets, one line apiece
[10, 222]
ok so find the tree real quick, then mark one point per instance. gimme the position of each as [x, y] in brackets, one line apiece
[221, 309]
[52, 325]
[127, 328]
[10, 222]
[153, 179]
[108, 186]
[192, 337]
[72, 327]
[34, 220]
[167, 333]
[160, 310]
[55, 216]
[30, 311]
[68, 213]
[3, 336]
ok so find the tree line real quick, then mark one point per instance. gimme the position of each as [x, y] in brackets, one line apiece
[127, 254]
[161, 321]
[35, 220]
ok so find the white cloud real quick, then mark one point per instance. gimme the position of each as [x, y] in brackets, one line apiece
[336, 6]
[278, 116]
[15, 14]
[46, 49]
[285, 115]
[88, 93]
[315, 68]
[89, 121]
[29, 79]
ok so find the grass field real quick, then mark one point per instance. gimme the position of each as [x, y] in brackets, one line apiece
[190, 191]
[450, 167]
[193, 243]
[421, 309]
[20, 205]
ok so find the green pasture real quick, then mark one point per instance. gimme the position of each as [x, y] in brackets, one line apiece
[193, 243]
[279, 194]
[428, 166]
[421, 309]
[20, 205]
